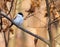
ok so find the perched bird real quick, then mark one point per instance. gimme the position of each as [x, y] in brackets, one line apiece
[18, 19]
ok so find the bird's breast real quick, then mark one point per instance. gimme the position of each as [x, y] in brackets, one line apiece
[18, 21]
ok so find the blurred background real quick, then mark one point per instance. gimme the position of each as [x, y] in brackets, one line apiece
[36, 21]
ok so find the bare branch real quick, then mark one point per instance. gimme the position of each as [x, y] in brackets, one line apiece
[38, 37]
[49, 20]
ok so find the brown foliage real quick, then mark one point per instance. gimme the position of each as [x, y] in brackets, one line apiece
[34, 4]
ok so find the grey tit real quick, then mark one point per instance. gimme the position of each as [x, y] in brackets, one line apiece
[18, 19]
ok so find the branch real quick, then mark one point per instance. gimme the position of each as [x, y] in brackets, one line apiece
[39, 37]
[49, 20]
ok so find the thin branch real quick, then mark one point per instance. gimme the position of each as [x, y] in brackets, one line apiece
[8, 36]
[38, 37]
[32, 14]
[49, 20]
[54, 21]
[10, 7]
[6, 43]
[0, 22]
[57, 36]
[57, 42]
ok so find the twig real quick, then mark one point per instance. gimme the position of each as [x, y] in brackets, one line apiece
[10, 7]
[31, 14]
[0, 22]
[28, 16]
[54, 21]
[8, 36]
[6, 44]
[57, 42]
[57, 36]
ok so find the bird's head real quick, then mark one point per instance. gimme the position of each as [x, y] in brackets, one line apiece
[21, 14]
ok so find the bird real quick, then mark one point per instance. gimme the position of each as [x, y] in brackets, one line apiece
[18, 19]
